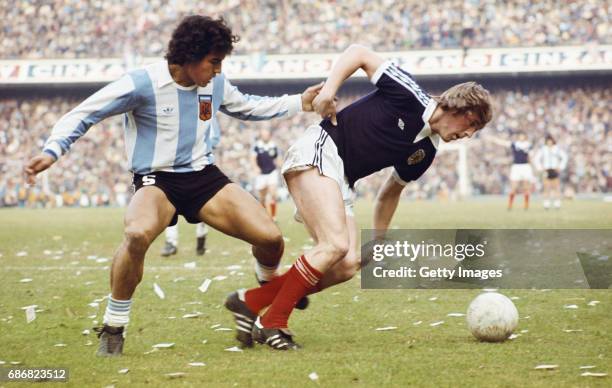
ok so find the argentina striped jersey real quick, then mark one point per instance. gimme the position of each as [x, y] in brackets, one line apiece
[168, 127]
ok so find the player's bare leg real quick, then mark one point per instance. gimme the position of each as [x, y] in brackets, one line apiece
[556, 192]
[547, 193]
[236, 213]
[513, 189]
[349, 265]
[526, 187]
[147, 215]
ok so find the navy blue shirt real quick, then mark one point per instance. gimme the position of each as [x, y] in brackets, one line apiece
[265, 154]
[387, 127]
[520, 152]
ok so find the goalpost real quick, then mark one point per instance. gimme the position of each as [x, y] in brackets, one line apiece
[464, 185]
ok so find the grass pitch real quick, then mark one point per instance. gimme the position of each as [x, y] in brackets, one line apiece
[66, 254]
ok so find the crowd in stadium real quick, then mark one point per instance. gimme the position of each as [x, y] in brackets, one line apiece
[94, 173]
[85, 29]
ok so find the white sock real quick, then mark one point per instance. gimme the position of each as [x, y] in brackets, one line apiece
[172, 235]
[546, 204]
[557, 203]
[265, 273]
[201, 230]
[117, 312]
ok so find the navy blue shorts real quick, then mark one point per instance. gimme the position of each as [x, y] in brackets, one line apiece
[186, 191]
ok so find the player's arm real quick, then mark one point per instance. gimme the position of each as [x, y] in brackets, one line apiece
[115, 98]
[257, 108]
[355, 57]
[386, 203]
[253, 159]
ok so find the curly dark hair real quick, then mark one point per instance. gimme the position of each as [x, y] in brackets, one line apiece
[197, 36]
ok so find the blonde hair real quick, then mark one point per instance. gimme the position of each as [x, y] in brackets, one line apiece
[468, 96]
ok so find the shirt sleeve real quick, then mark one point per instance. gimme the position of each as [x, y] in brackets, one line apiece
[115, 98]
[257, 108]
[415, 165]
[399, 87]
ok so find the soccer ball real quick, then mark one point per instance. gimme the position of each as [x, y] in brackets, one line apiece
[492, 317]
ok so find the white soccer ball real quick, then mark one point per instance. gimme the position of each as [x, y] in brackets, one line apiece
[492, 317]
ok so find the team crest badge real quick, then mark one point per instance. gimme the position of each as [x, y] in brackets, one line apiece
[416, 157]
[205, 101]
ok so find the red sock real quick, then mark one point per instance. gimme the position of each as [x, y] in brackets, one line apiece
[526, 200]
[301, 279]
[273, 209]
[258, 298]
[510, 200]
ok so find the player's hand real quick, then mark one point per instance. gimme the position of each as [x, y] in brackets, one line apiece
[309, 94]
[37, 164]
[325, 105]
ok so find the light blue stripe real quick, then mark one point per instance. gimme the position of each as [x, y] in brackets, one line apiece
[188, 126]
[218, 91]
[145, 117]
[249, 117]
[118, 105]
[213, 134]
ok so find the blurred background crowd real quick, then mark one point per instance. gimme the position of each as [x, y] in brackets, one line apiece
[104, 29]
[94, 172]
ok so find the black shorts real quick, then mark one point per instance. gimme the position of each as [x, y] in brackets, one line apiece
[187, 191]
[551, 173]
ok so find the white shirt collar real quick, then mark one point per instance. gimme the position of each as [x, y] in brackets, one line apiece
[163, 74]
[426, 130]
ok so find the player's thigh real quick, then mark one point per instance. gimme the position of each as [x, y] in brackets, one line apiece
[149, 212]
[319, 202]
[236, 213]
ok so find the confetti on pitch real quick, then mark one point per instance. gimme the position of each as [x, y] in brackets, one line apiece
[164, 345]
[546, 367]
[514, 336]
[573, 330]
[196, 364]
[193, 315]
[175, 375]
[593, 303]
[417, 323]
[233, 349]
[158, 291]
[60, 345]
[313, 376]
[455, 315]
[570, 306]
[433, 298]
[123, 371]
[386, 328]
[593, 374]
[587, 367]
[436, 323]
[204, 286]
[220, 278]
[223, 329]
[215, 326]
[190, 265]
[204, 342]
[30, 313]
[233, 267]
[22, 254]
[25, 280]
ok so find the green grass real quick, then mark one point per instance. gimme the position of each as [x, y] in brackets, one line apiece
[337, 331]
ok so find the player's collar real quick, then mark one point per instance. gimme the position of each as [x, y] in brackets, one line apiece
[426, 130]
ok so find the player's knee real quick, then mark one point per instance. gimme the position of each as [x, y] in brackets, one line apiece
[272, 239]
[350, 266]
[335, 249]
[137, 240]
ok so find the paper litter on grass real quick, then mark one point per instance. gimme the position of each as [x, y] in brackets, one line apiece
[593, 374]
[175, 375]
[60, 345]
[587, 367]
[164, 345]
[436, 323]
[593, 303]
[223, 329]
[233, 349]
[30, 313]
[570, 306]
[313, 376]
[190, 265]
[123, 371]
[455, 315]
[158, 291]
[386, 328]
[25, 280]
[417, 323]
[546, 367]
[573, 330]
[220, 278]
[196, 364]
[204, 286]
[193, 315]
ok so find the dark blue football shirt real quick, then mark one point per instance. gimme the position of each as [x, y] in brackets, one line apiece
[388, 127]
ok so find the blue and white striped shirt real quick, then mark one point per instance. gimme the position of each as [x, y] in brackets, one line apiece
[168, 127]
[551, 158]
